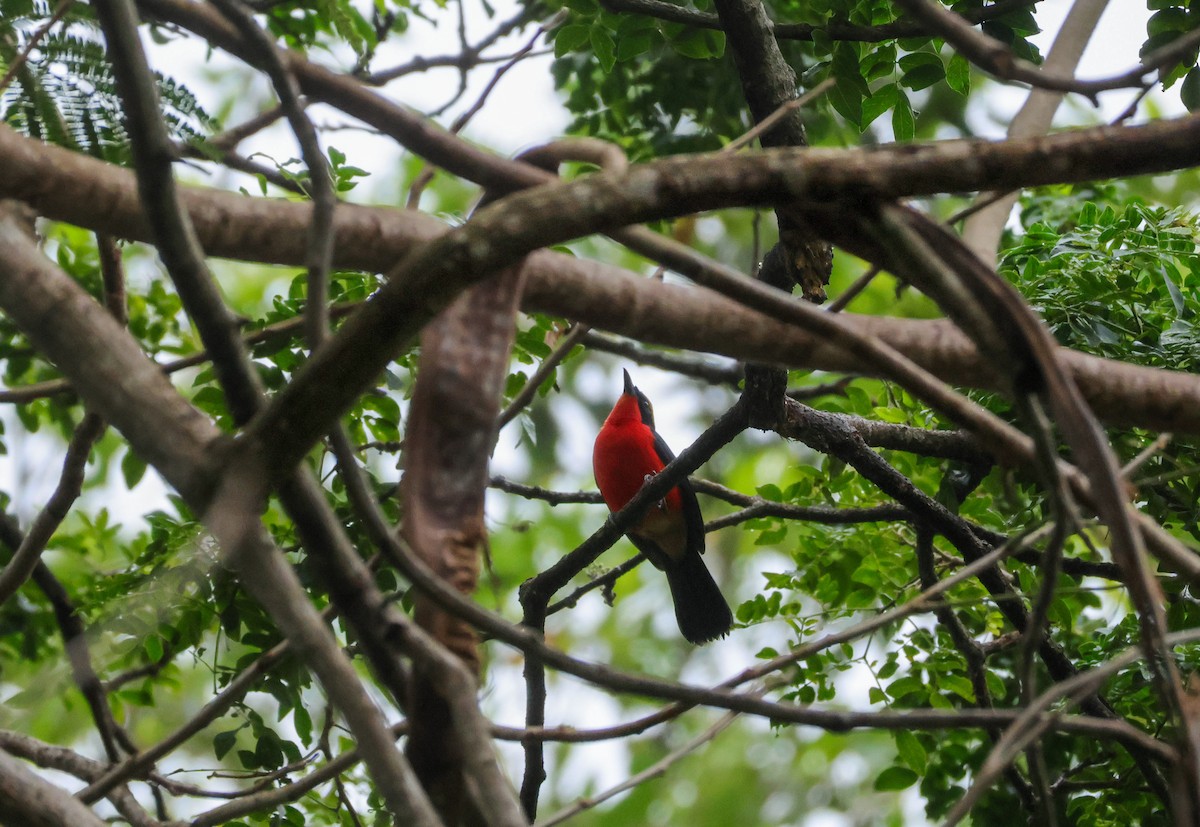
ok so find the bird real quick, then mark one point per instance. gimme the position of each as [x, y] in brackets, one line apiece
[627, 453]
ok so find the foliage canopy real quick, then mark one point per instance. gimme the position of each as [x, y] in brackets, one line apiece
[134, 618]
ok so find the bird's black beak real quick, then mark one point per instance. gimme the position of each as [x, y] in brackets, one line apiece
[629, 388]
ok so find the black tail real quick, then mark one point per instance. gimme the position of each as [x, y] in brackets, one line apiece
[700, 608]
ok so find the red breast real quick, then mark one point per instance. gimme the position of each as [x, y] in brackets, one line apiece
[624, 455]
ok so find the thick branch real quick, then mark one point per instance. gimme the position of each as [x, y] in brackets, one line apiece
[799, 257]
[266, 574]
[118, 381]
[500, 235]
[256, 229]
[28, 799]
[113, 374]
[153, 155]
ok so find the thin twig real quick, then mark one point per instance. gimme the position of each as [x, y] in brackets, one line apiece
[1134, 465]
[994, 57]
[852, 292]
[779, 114]
[655, 770]
[319, 253]
[524, 396]
[464, 118]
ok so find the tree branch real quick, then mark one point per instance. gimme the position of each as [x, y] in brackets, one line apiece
[997, 59]
[834, 30]
[500, 235]
[256, 229]
[982, 230]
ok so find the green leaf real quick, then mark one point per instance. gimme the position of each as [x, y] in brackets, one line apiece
[910, 751]
[1157, 41]
[881, 100]
[770, 491]
[847, 70]
[903, 122]
[699, 44]
[209, 399]
[133, 468]
[604, 46]
[916, 60]
[570, 37]
[223, 742]
[632, 45]
[895, 778]
[1167, 20]
[939, 701]
[879, 63]
[303, 723]
[996, 686]
[1176, 295]
[152, 646]
[907, 685]
[631, 23]
[923, 76]
[1189, 92]
[848, 103]
[958, 75]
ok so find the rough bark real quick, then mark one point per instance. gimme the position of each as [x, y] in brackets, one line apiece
[451, 430]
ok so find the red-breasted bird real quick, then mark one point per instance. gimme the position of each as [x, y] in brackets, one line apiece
[628, 452]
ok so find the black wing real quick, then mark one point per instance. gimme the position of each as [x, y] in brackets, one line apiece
[687, 495]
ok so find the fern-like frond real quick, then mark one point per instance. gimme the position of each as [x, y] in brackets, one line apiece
[64, 92]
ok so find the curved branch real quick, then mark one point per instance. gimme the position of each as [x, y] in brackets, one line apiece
[234, 226]
[504, 233]
[27, 798]
[997, 59]
[25, 558]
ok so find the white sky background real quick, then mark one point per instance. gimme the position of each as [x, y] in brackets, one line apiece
[524, 110]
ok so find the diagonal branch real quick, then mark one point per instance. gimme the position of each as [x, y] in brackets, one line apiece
[319, 252]
[994, 57]
[25, 558]
[153, 154]
[834, 29]
[800, 256]
[982, 230]
[117, 380]
[261, 230]
[1004, 325]
[28, 799]
[499, 236]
